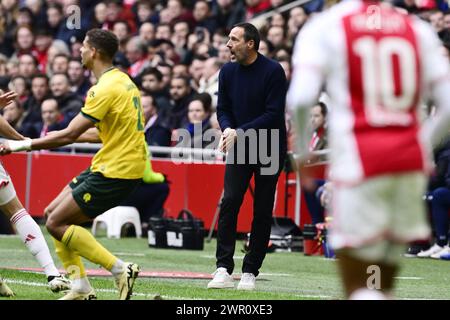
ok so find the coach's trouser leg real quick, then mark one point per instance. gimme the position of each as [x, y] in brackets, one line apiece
[262, 221]
[237, 178]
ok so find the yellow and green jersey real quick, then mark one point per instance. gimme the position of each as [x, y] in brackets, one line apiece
[114, 105]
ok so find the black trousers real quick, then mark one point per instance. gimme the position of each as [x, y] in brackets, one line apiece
[237, 179]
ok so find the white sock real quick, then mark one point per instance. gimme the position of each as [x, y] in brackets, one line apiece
[32, 236]
[81, 285]
[117, 268]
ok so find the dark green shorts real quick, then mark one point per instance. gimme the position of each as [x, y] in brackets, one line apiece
[96, 194]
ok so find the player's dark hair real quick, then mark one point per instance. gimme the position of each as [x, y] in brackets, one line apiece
[104, 41]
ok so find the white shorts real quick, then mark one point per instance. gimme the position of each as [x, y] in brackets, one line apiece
[378, 213]
[7, 191]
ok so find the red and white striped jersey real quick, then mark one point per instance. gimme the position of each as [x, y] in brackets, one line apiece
[378, 65]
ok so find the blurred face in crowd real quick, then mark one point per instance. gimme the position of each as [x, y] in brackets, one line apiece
[276, 36]
[147, 31]
[210, 68]
[447, 21]
[196, 69]
[43, 42]
[178, 89]
[218, 40]
[75, 72]
[132, 51]
[27, 65]
[239, 49]
[120, 29]
[24, 19]
[59, 85]
[50, 112]
[277, 20]
[39, 88]
[224, 53]
[201, 10]
[54, 17]
[180, 31]
[167, 74]
[180, 70]
[12, 112]
[24, 38]
[175, 8]
[60, 64]
[437, 21]
[196, 112]
[317, 117]
[224, 3]
[151, 83]
[143, 12]
[8, 4]
[112, 11]
[148, 107]
[298, 16]
[100, 12]
[19, 86]
[263, 48]
[163, 32]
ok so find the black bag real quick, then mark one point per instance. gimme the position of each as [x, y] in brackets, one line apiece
[285, 235]
[185, 232]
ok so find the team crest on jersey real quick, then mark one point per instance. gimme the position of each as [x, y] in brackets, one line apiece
[91, 94]
[75, 180]
[87, 197]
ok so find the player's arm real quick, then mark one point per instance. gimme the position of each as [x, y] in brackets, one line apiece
[9, 132]
[91, 136]
[307, 81]
[69, 135]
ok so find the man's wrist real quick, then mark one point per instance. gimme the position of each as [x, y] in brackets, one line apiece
[19, 145]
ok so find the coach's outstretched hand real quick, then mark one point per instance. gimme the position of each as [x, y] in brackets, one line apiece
[7, 98]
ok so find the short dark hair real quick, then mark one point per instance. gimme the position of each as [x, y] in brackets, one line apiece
[250, 33]
[104, 41]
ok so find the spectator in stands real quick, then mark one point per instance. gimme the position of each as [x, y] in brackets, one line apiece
[180, 95]
[438, 196]
[252, 91]
[151, 83]
[135, 51]
[24, 41]
[163, 31]
[59, 64]
[319, 141]
[51, 117]
[42, 42]
[199, 113]
[276, 36]
[145, 12]
[157, 131]
[166, 71]
[209, 81]
[122, 31]
[28, 65]
[297, 18]
[21, 86]
[69, 103]
[14, 114]
[180, 70]
[147, 32]
[78, 81]
[39, 91]
[196, 71]
[227, 13]
[203, 16]
[55, 17]
[179, 38]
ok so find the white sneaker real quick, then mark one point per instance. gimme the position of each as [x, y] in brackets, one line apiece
[438, 254]
[60, 284]
[247, 282]
[221, 280]
[427, 253]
